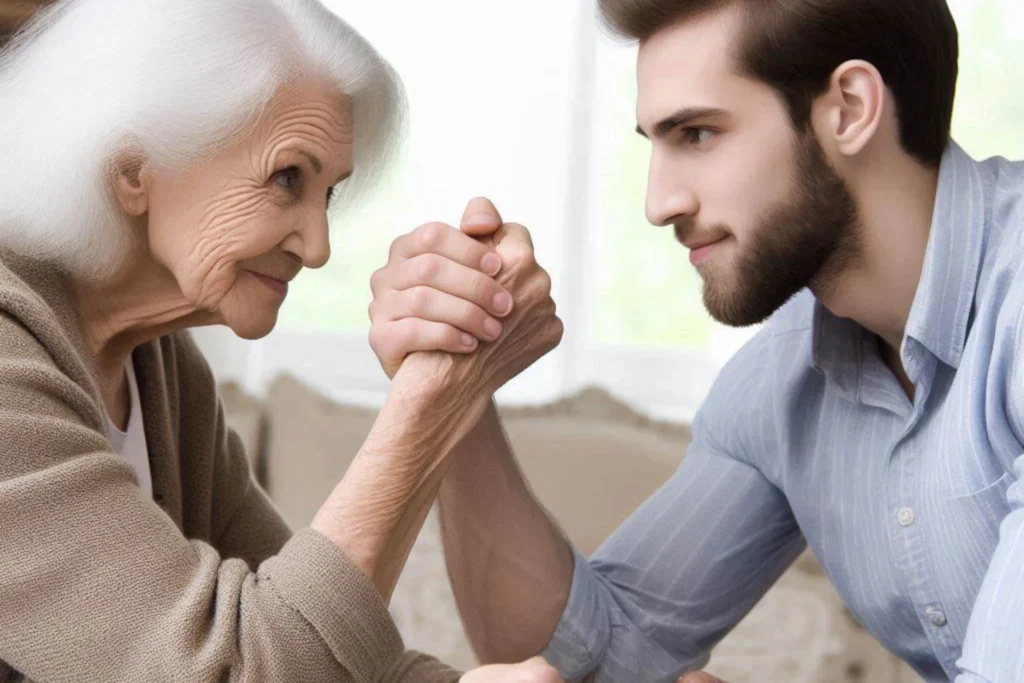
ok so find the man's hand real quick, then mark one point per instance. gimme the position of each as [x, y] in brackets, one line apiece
[699, 677]
[438, 290]
[534, 671]
[455, 389]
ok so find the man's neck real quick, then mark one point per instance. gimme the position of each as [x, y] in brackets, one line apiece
[877, 291]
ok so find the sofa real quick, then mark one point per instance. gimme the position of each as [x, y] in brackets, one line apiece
[590, 460]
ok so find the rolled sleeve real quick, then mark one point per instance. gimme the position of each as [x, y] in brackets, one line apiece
[677, 576]
[581, 637]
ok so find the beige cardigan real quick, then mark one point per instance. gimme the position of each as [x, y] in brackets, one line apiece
[203, 582]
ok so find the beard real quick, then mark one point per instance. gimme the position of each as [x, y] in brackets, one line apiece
[807, 240]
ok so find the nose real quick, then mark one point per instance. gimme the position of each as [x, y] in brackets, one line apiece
[669, 195]
[311, 242]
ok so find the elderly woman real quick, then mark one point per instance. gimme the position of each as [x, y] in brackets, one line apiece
[168, 165]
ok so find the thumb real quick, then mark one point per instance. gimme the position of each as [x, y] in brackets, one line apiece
[480, 218]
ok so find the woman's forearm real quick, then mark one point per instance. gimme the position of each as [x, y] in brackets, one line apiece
[376, 512]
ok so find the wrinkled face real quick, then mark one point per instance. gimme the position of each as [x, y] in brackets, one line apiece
[235, 230]
[758, 205]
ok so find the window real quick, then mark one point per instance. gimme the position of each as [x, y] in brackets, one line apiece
[529, 103]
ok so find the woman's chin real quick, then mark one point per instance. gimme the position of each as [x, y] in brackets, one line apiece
[253, 327]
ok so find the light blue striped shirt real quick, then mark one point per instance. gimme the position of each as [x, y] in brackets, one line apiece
[914, 509]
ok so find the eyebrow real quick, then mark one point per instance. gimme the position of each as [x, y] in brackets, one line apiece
[680, 118]
[318, 166]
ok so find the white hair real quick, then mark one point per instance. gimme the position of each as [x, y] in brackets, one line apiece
[176, 80]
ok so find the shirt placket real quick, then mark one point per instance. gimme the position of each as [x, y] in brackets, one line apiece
[906, 522]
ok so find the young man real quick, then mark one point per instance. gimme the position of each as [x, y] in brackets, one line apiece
[801, 151]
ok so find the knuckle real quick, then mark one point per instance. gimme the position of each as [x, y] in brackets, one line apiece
[431, 236]
[419, 299]
[544, 281]
[522, 233]
[378, 340]
[521, 261]
[517, 228]
[396, 245]
[426, 268]
[381, 306]
[377, 280]
[555, 331]
[538, 292]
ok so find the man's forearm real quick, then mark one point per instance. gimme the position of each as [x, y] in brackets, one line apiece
[511, 567]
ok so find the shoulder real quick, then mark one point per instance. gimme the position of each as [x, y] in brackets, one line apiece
[50, 412]
[737, 417]
[41, 350]
[1000, 294]
[35, 297]
[1004, 239]
[785, 337]
[999, 300]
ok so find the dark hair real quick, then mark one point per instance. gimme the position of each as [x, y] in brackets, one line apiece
[795, 45]
[14, 13]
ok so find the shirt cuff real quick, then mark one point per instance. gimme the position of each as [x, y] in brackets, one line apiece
[582, 635]
[322, 584]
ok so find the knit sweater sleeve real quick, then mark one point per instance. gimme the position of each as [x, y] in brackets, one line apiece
[97, 583]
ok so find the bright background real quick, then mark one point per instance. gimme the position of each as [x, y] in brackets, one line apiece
[530, 103]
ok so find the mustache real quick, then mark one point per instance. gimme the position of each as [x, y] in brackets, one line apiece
[690, 233]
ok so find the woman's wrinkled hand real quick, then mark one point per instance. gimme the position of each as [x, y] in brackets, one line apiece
[534, 671]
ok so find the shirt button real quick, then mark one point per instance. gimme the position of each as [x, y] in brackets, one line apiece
[936, 616]
[905, 517]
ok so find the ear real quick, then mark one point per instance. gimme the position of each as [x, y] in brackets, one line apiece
[131, 184]
[850, 113]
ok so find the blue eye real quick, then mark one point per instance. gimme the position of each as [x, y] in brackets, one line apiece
[288, 178]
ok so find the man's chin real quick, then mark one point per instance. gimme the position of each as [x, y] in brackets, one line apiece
[732, 309]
